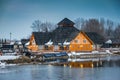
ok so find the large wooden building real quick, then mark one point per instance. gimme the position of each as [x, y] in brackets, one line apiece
[65, 38]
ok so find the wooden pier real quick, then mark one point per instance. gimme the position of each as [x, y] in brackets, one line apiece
[102, 60]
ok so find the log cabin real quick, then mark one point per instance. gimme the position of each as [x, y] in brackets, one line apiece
[65, 38]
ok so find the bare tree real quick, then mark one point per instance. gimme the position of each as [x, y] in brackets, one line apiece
[39, 26]
[79, 22]
[109, 29]
[47, 26]
[102, 25]
[93, 25]
[36, 25]
[117, 32]
[44, 27]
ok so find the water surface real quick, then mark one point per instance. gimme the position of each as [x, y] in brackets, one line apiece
[48, 72]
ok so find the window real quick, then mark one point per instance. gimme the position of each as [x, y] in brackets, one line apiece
[76, 41]
[33, 42]
[84, 40]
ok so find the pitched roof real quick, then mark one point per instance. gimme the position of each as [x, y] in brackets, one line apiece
[66, 21]
[42, 37]
[61, 34]
[66, 33]
[96, 38]
[115, 41]
[23, 41]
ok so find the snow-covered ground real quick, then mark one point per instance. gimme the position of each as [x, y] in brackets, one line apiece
[8, 57]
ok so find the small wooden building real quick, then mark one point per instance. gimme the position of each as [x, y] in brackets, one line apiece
[81, 43]
[65, 38]
[38, 41]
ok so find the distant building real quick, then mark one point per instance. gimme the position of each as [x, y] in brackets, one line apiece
[65, 38]
[112, 43]
[24, 43]
[6, 48]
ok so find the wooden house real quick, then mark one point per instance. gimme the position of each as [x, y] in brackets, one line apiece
[38, 41]
[81, 43]
[63, 34]
[65, 38]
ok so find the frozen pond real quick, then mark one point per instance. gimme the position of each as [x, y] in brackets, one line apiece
[49, 72]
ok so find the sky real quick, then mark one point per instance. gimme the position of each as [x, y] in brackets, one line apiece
[16, 16]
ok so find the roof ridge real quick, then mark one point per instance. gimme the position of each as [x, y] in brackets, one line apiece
[66, 22]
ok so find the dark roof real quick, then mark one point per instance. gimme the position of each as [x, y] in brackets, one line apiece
[66, 21]
[115, 41]
[65, 33]
[42, 37]
[96, 38]
[23, 41]
[60, 54]
[61, 34]
[7, 46]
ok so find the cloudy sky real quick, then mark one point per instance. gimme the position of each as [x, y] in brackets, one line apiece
[16, 16]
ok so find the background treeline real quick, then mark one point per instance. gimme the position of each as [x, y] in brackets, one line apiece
[106, 28]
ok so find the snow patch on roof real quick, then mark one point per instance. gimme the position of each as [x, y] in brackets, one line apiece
[49, 43]
[109, 41]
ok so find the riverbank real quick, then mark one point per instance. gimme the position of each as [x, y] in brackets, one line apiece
[81, 62]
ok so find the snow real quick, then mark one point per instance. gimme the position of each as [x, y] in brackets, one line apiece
[74, 60]
[95, 52]
[12, 43]
[108, 51]
[8, 57]
[27, 43]
[109, 42]
[19, 43]
[49, 43]
[66, 43]
[78, 53]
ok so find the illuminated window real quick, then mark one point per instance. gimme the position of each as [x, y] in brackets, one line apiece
[81, 45]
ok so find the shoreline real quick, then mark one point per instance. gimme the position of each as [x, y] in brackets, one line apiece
[27, 61]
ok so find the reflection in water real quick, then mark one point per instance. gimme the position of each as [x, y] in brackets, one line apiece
[49, 72]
